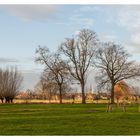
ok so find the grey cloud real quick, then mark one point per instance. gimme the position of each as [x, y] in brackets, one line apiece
[30, 12]
[8, 60]
[31, 78]
[27, 59]
[16, 60]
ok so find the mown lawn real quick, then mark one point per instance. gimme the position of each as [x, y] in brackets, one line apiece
[67, 119]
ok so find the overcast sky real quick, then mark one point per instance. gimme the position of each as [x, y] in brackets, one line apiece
[24, 27]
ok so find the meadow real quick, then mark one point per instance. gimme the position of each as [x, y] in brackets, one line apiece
[68, 119]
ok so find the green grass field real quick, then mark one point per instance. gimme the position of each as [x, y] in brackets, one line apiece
[67, 119]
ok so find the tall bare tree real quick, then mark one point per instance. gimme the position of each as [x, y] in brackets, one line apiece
[112, 62]
[55, 67]
[79, 52]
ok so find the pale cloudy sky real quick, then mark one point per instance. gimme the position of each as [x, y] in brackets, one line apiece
[24, 27]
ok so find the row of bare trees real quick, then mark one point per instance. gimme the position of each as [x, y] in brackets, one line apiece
[76, 56]
[10, 82]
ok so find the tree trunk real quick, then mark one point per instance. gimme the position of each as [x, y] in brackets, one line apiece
[112, 94]
[11, 100]
[60, 93]
[2, 100]
[117, 102]
[7, 100]
[49, 100]
[73, 98]
[109, 108]
[83, 93]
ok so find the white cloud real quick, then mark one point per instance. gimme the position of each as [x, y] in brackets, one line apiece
[30, 12]
[78, 20]
[89, 8]
[108, 37]
[76, 33]
[129, 18]
[134, 43]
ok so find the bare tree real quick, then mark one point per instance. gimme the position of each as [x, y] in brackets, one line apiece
[55, 67]
[79, 51]
[49, 87]
[31, 94]
[10, 84]
[1, 86]
[51, 90]
[45, 89]
[40, 89]
[112, 62]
